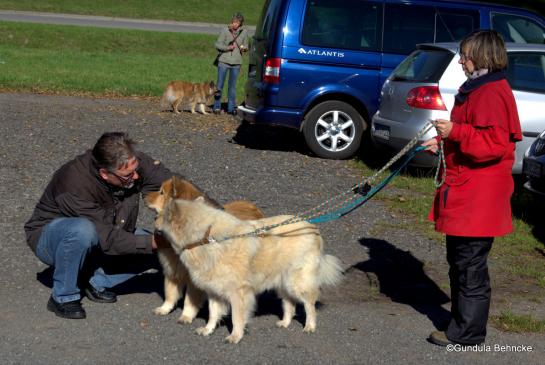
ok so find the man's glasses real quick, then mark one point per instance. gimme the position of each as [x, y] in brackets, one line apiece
[125, 180]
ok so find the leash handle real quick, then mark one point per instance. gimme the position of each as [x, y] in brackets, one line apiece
[441, 165]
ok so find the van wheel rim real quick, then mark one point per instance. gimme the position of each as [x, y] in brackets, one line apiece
[335, 131]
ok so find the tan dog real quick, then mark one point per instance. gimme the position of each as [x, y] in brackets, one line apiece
[176, 276]
[233, 270]
[177, 92]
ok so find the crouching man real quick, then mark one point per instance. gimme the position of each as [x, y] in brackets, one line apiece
[85, 223]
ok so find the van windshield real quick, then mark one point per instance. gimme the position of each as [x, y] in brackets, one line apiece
[425, 65]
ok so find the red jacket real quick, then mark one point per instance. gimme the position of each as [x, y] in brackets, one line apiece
[474, 201]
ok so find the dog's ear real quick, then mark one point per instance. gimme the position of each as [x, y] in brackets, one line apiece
[200, 199]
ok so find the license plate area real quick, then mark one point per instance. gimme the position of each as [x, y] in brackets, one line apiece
[382, 132]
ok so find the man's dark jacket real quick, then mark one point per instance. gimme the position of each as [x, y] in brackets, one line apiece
[77, 190]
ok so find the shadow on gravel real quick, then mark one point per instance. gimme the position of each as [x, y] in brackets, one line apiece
[401, 277]
[264, 137]
[144, 283]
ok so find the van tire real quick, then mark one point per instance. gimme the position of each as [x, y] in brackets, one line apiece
[327, 137]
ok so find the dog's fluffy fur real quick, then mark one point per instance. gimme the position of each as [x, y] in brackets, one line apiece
[175, 273]
[288, 259]
[182, 92]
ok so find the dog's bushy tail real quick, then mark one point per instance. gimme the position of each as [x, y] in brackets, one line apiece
[168, 97]
[330, 272]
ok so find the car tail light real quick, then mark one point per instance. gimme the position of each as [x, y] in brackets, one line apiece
[426, 97]
[272, 71]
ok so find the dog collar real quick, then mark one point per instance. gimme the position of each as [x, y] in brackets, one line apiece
[204, 241]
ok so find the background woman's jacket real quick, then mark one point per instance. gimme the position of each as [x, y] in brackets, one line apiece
[231, 57]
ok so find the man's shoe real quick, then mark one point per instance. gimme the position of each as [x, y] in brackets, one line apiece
[71, 310]
[104, 296]
[439, 338]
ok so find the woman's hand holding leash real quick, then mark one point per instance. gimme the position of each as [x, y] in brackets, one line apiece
[443, 127]
[432, 146]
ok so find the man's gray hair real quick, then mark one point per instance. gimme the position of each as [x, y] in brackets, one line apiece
[113, 150]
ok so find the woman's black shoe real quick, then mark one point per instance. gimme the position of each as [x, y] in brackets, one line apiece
[104, 296]
[71, 310]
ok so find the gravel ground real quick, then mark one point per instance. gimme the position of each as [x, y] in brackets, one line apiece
[391, 297]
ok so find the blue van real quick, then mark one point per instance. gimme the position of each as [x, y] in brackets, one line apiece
[318, 65]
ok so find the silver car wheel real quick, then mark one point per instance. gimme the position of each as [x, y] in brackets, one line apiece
[334, 131]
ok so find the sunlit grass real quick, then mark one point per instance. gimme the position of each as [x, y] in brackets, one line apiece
[102, 61]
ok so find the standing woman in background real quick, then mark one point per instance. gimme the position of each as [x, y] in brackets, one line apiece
[474, 204]
[231, 44]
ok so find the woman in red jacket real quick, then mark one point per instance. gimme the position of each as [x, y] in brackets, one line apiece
[473, 205]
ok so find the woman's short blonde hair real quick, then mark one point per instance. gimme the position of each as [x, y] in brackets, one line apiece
[486, 49]
[238, 17]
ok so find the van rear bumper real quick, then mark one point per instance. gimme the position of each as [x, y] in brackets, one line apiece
[274, 116]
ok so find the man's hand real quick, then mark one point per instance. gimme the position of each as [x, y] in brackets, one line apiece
[432, 146]
[443, 127]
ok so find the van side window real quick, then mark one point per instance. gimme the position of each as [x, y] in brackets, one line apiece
[349, 24]
[526, 71]
[453, 27]
[518, 29]
[407, 25]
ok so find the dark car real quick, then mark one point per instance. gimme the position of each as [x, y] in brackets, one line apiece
[533, 166]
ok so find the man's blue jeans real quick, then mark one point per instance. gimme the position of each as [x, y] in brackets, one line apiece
[66, 243]
[233, 71]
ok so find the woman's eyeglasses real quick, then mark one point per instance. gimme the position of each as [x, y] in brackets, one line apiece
[463, 57]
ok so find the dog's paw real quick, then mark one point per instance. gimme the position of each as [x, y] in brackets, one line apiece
[232, 338]
[162, 310]
[185, 320]
[204, 331]
[283, 324]
[309, 329]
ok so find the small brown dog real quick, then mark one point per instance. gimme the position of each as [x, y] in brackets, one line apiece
[176, 275]
[178, 92]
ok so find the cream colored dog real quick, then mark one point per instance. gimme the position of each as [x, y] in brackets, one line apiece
[288, 259]
[174, 271]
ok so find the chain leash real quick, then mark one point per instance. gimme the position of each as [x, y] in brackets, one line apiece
[329, 204]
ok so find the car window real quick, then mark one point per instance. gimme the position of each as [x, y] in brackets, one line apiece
[453, 27]
[267, 19]
[407, 25]
[423, 66]
[518, 29]
[349, 24]
[526, 71]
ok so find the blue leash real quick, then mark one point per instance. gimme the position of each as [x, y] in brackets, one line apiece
[370, 193]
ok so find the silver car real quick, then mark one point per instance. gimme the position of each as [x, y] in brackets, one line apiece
[423, 86]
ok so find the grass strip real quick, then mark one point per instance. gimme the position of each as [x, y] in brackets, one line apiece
[101, 61]
[207, 11]
[510, 322]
